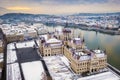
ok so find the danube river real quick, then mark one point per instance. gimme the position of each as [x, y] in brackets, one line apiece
[111, 43]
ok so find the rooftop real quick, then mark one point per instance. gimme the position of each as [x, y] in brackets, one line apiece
[34, 67]
[82, 55]
[22, 61]
[53, 40]
[102, 76]
[66, 30]
[58, 69]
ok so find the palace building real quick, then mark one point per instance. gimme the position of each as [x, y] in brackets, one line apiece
[80, 57]
[51, 47]
[86, 61]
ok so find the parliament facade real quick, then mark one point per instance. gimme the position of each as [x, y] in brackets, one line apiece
[81, 59]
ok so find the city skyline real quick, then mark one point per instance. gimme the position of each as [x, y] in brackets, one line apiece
[59, 6]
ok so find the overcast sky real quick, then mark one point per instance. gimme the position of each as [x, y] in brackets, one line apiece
[59, 6]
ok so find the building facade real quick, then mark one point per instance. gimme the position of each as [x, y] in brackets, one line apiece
[81, 59]
[14, 37]
[1, 46]
[51, 47]
[2, 41]
[91, 62]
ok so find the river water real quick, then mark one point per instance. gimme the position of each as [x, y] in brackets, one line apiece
[111, 43]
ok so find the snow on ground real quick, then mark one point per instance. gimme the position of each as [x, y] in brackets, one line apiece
[13, 72]
[57, 68]
[11, 53]
[65, 60]
[25, 44]
[33, 70]
[1, 55]
[11, 56]
[1, 60]
[10, 46]
[101, 76]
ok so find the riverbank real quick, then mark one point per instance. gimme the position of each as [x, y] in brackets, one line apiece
[113, 69]
[111, 32]
[85, 27]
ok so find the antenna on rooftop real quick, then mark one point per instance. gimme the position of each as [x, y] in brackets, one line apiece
[83, 39]
[79, 35]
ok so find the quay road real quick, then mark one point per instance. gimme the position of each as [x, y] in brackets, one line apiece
[113, 69]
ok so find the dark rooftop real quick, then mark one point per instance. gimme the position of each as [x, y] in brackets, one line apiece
[27, 54]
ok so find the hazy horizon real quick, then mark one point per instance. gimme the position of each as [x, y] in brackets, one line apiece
[59, 7]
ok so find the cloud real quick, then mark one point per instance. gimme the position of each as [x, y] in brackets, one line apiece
[17, 8]
[61, 6]
[69, 2]
[4, 10]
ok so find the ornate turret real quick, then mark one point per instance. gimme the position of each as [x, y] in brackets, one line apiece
[83, 40]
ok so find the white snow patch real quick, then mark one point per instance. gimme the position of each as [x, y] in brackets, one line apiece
[25, 44]
[11, 46]
[45, 36]
[102, 76]
[33, 70]
[53, 40]
[86, 57]
[13, 72]
[11, 53]
[1, 55]
[57, 68]
[100, 55]
[65, 60]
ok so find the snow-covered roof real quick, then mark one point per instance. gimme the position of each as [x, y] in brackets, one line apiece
[76, 41]
[58, 69]
[55, 45]
[80, 53]
[77, 38]
[53, 40]
[99, 53]
[11, 56]
[102, 76]
[11, 46]
[33, 70]
[11, 53]
[13, 72]
[25, 44]
[82, 58]
[45, 36]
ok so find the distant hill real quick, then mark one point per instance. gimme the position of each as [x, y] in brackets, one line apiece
[17, 17]
[20, 15]
[95, 14]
